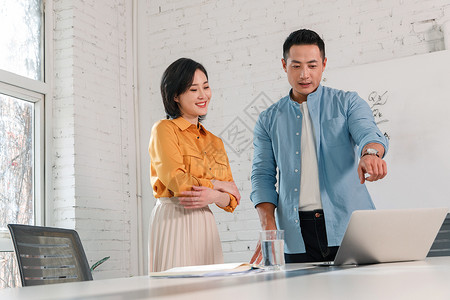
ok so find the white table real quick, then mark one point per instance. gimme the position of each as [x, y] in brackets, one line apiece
[429, 279]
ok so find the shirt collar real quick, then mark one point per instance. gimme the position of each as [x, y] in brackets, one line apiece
[311, 97]
[202, 129]
[317, 93]
[184, 124]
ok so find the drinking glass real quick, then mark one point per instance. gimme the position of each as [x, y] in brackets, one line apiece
[272, 247]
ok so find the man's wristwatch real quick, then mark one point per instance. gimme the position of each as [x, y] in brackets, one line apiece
[370, 151]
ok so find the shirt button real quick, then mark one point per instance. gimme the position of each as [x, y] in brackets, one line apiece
[296, 152]
[297, 133]
[296, 170]
[295, 191]
[298, 117]
[198, 137]
[295, 209]
[296, 221]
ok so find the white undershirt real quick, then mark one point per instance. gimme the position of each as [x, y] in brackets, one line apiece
[309, 182]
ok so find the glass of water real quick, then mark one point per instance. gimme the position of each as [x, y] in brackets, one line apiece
[272, 247]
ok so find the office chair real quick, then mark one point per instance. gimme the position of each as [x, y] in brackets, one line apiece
[441, 245]
[48, 255]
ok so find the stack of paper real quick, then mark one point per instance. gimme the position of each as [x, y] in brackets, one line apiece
[208, 270]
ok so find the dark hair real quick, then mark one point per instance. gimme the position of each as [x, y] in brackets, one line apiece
[303, 37]
[176, 80]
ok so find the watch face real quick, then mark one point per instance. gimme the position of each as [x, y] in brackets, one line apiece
[371, 151]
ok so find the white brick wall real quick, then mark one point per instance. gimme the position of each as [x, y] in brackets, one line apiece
[240, 44]
[94, 184]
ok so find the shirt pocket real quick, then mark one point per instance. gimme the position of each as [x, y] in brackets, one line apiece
[219, 168]
[193, 160]
[335, 132]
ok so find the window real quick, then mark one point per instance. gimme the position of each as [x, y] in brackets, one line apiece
[21, 24]
[17, 158]
[16, 161]
[23, 90]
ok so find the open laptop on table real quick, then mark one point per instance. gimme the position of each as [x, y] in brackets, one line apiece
[379, 236]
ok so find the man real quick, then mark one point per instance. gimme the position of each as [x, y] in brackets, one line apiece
[323, 142]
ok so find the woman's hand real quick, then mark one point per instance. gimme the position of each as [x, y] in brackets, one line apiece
[202, 196]
[227, 187]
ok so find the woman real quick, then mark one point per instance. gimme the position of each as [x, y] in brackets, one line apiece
[189, 171]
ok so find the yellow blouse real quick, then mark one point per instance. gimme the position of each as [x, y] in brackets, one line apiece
[182, 155]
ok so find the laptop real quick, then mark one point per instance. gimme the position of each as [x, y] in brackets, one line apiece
[394, 235]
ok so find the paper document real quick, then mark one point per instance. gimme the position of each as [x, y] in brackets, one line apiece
[208, 270]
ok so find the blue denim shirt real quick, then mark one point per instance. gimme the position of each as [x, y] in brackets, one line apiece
[343, 124]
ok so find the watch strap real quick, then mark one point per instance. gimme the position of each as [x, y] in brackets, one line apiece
[367, 153]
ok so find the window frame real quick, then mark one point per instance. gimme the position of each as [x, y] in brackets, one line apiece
[39, 92]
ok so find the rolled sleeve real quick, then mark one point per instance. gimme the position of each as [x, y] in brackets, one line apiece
[264, 167]
[228, 177]
[231, 206]
[362, 124]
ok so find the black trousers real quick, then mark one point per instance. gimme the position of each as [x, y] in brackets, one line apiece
[312, 224]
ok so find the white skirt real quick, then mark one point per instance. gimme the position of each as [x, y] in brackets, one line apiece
[182, 237]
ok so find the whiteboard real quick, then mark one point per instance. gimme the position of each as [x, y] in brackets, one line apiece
[410, 98]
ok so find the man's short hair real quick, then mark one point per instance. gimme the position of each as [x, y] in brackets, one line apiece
[303, 37]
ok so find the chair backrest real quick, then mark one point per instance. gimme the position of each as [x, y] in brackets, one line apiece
[48, 255]
[441, 245]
